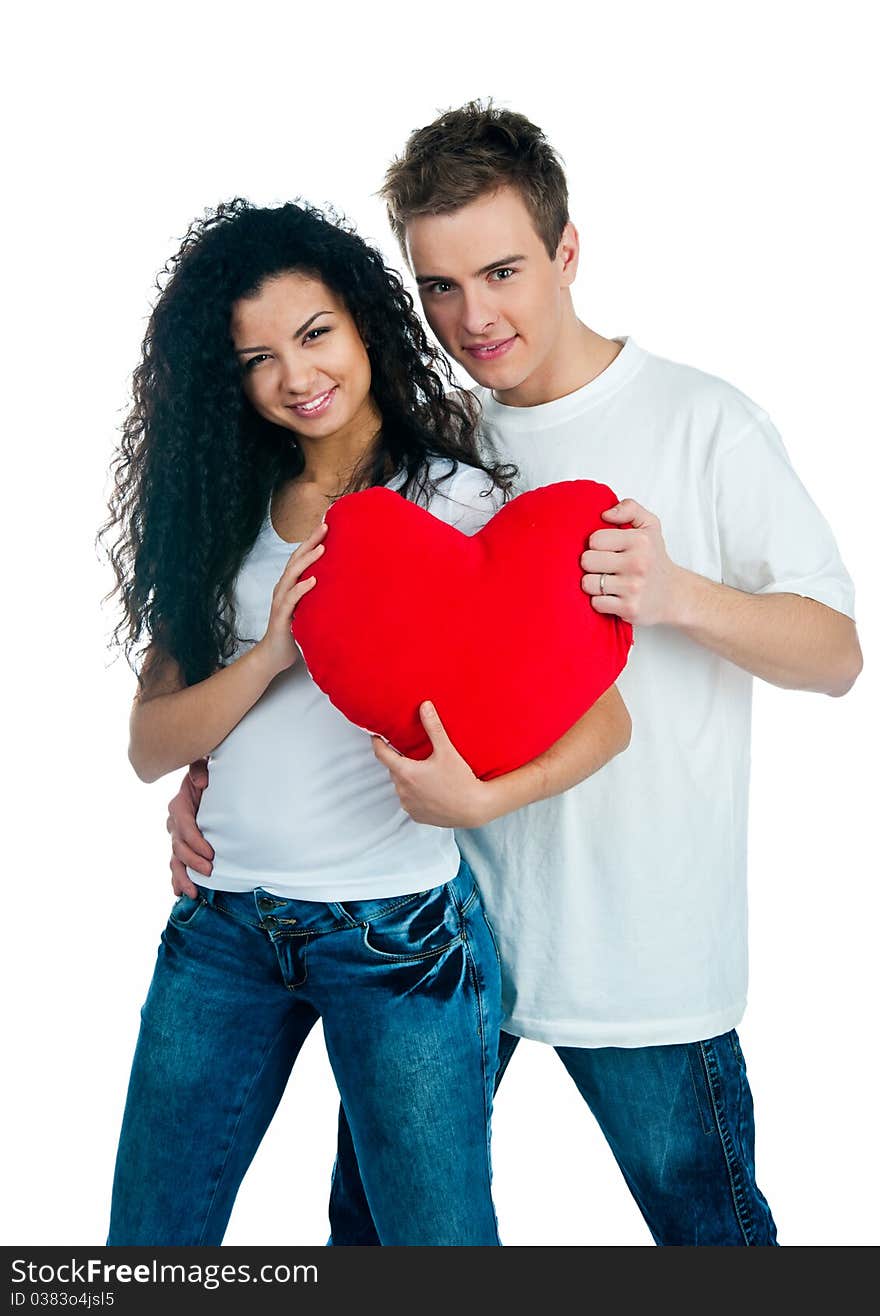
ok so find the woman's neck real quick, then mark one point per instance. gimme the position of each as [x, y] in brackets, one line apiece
[329, 463]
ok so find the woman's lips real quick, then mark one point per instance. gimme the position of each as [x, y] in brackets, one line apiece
[315, 406]
[490, 351]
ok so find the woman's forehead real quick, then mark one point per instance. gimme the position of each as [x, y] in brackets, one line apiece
[285, 297]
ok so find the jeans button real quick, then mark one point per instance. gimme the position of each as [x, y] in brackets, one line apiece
[265, 903]
[270, 922]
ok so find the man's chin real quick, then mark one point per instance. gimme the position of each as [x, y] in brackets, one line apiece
[494, 377]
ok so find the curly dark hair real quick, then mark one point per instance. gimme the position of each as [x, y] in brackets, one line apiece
[196, 465]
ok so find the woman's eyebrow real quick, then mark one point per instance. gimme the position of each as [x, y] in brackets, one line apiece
[303, 327]
[241, 351]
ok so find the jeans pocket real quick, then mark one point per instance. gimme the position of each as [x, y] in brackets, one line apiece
[737, 1049]
[186, 909]
[481, 909]
[700, 1084]
[418, 930]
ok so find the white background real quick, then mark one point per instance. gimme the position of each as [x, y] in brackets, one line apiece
[721, 160]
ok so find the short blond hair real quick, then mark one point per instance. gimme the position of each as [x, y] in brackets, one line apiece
[469, 152]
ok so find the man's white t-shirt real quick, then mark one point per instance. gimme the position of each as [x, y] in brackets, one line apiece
[297, 802]
[620, 906]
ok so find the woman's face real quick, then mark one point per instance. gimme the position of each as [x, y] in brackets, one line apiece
[304, 364]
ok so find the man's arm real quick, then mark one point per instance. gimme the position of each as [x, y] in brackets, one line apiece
[189, 848]
[443, 791]
[786, 639]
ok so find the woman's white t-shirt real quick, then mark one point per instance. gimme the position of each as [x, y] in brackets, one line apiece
[297, 802]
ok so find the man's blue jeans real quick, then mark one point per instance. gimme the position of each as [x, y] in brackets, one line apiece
[408, 989]
[679, 1120]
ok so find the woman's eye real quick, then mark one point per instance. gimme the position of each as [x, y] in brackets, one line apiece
[439, 287]
[316, 333]
[255, 360]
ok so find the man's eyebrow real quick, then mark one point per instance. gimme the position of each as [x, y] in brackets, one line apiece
[487, 269]
[499, 264]
[241, 351]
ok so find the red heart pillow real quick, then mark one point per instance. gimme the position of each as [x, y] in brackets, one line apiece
[493, 628]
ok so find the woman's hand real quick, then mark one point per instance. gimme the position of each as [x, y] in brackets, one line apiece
[277, 646]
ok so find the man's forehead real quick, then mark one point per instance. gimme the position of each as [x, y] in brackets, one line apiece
[473, 237]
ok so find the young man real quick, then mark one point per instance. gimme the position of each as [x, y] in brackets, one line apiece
[620, 906]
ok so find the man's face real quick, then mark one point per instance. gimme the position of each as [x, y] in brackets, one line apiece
[489, 290]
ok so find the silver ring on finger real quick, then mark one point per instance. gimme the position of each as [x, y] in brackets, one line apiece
[602, 583]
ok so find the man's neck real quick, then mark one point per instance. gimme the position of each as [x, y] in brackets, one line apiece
[578, 357]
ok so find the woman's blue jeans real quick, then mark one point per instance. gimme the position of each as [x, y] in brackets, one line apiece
[408, 989]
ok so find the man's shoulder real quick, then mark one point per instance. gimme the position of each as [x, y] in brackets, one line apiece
[668, 388]
[696, 393]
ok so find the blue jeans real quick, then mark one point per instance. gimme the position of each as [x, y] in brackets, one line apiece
[679, 1120]
[408, 989]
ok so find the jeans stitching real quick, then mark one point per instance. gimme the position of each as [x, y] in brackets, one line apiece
[413, 958]
[295, 986]
[468, 905]
[487, 1100]
[341, 912]
[698, 1080]
[408, 959]
[186, 922]
[387, 909]
[745, 1129]
[236, 918]
[734, 1168]
[488, 923]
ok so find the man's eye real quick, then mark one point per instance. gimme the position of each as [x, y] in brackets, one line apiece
[439, 287]
[502, 274]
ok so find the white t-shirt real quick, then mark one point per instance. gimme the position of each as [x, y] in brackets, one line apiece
[296, 800]
[620, 906]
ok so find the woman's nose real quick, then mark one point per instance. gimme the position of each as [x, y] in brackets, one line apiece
[297, 376]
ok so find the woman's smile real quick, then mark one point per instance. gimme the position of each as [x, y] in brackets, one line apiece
[316, 406]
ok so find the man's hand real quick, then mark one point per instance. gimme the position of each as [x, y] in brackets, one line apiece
[441, 790]
[795, 642]
[188, 846]
[628, 571]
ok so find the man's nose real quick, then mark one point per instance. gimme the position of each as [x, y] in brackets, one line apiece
[479, 315]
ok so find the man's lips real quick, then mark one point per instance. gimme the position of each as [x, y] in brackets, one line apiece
[490, 351]
[315, 406]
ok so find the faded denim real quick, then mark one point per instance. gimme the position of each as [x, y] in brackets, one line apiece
[680, 1122]
[408, 990]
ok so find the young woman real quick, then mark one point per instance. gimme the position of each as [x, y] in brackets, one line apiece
[283, 366]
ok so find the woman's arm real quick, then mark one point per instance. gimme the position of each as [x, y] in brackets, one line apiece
[173, 724]
[443, 791]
